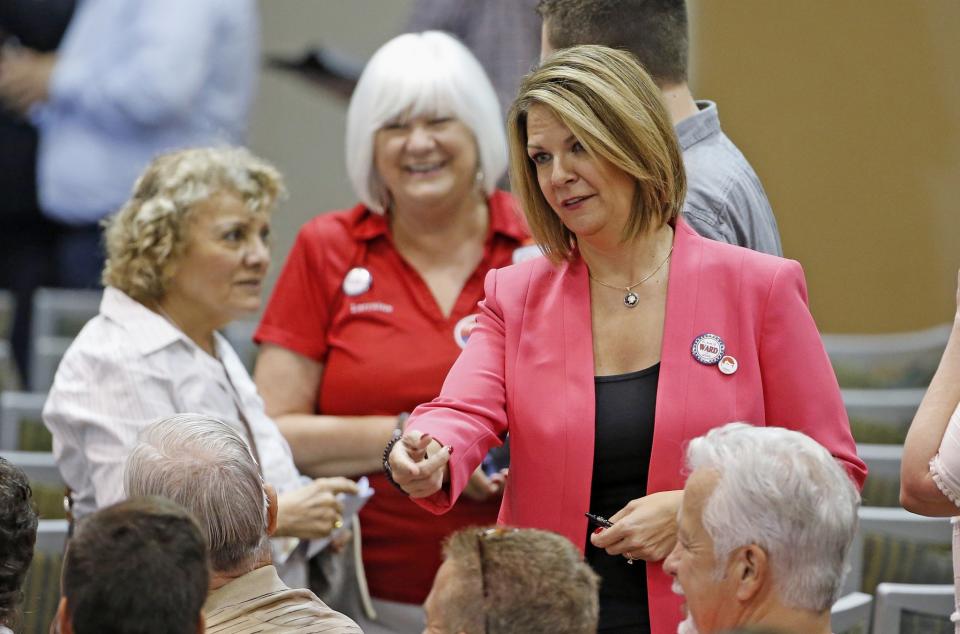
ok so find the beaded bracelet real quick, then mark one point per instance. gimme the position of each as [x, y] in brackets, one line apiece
[394, 439]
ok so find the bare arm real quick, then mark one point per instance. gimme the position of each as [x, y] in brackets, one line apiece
[322, 445]
[918, 491]
[325, 446]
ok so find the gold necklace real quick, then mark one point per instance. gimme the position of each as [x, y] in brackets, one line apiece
[630, 300]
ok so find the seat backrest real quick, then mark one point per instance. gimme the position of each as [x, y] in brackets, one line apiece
[21, 422]
[41, 588]
[58, 315]
[851, 612]
[906, 359]
[881, 459]
[8, 308]
[896, 524]
[60, 312]
[51, 536]
[10, 376]
[240, 336]
[881, 416]
[882, 487]
[893, 600]
[45, 480]
[40, 466]
[45, 355]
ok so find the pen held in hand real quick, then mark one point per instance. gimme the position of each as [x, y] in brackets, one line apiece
[599, 520]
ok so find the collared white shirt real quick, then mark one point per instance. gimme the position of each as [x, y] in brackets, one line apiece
[129, 366]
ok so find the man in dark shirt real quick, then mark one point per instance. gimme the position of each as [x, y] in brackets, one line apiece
[27, 238]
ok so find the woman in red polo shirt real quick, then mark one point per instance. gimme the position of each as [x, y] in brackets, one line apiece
[375, 303]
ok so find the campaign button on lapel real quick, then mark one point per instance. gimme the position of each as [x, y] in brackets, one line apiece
[728, 365]
[357, 281]
[708, 349]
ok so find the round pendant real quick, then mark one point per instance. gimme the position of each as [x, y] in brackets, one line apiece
[630, 300]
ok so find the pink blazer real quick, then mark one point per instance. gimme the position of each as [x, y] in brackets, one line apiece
[528, 369]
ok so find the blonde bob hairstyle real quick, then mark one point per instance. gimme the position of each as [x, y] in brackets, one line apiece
[422, 74]
[146, 237]
[614, 109]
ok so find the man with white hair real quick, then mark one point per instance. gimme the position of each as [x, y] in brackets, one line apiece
[205, 466]
[765, 525]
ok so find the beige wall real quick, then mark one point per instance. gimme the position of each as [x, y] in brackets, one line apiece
[847, 110]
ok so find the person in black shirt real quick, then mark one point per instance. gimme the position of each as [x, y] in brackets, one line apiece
[27, 238]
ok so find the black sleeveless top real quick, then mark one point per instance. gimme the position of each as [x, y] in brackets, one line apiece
[625, 406]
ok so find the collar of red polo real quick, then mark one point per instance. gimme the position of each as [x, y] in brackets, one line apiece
[506, 219]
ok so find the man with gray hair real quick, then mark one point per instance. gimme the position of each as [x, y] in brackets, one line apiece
[764, 529]
[205, 466]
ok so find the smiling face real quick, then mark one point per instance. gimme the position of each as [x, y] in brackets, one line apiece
[591, 196]
[219, 277]
[426, 161]
[693, 565]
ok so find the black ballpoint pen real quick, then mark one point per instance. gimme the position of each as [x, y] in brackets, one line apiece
[599, 520]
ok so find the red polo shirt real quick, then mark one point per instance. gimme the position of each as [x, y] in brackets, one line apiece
[386, 348]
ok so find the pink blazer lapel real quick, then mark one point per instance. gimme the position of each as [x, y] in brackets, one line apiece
[579, 416]
[578, 402]
[671, 412]
[672, 389]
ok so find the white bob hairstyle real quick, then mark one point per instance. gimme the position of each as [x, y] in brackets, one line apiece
[784, 492]
[414, 74]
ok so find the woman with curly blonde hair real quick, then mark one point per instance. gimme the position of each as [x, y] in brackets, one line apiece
[186, 255]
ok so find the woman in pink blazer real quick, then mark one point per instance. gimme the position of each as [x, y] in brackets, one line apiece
[599, 378]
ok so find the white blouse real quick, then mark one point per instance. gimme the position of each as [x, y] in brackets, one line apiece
[129, 366]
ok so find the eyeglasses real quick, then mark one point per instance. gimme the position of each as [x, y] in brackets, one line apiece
[497, 532]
